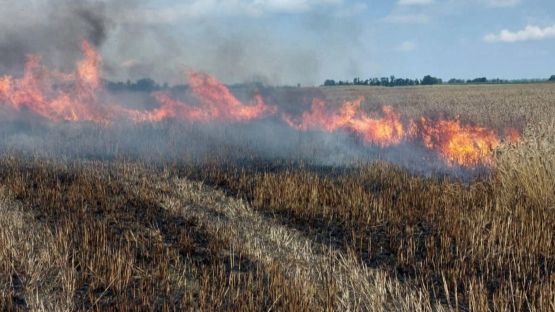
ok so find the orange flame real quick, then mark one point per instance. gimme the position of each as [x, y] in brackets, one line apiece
[320, 118]
[512, 135]
[76, 97]
[46, 93]
[383, 131]
[88, 68]
[172, 108]
[459, 144]
[216, 102]
[221, 104]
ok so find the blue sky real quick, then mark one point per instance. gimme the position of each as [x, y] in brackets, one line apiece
[342, 39]
[307, 41]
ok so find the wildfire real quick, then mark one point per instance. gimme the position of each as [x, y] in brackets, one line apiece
[78, 96]
[56, 96]
[322, 118]
[383, 131]
[459, 144]
[221, 103]
[512, 135]
[172, 108]
[216, 102]
[88, 68]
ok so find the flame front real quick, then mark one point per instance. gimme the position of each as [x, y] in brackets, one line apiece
[55, 96]
[88, 69]
[321, 118]
[382, 131]
[216, 102]
[78, 96]
[459, 144]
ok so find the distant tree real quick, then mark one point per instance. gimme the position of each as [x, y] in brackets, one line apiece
[429, 80]
[329, 82]
[146, 84]
[480, 80]
[456, 81]
[552, 78]
[359, 82]
[114, 86]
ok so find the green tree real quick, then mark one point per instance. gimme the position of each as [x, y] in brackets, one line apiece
[429, 80]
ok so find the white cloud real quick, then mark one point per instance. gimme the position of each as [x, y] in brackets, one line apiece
[502, 3]
[407, 46]
[415, 2]
[528, 33]
[407, 19]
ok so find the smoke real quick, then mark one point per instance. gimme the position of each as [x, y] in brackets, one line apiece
[134, 45]
[143, 38]
[237, 47]
[52, 29]
[265, 141]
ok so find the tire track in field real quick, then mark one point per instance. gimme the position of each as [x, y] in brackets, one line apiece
[323, 272]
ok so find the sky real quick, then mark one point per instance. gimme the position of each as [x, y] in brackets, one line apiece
[298, 41]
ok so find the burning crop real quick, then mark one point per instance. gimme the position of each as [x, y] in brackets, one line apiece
[459, 144]
[81, 97]
[216, 103]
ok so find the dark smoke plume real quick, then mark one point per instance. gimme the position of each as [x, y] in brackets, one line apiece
[52, 29]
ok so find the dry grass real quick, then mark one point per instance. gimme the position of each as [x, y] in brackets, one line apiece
[82, 239]
[253, 235]
[527, 171]
[90, 236]
[462, 243]
[493, 105]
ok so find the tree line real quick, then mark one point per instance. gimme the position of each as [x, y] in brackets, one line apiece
[149, 85]
[393, 81]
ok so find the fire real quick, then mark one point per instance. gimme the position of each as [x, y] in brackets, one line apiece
[56, 96]
[78, 96]
[88, 68]
[512, 136]
[172, 108]
[321, 118]
[216, 102]
[383, 131]
[459, 144]
[220, 103]
[75, 97]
